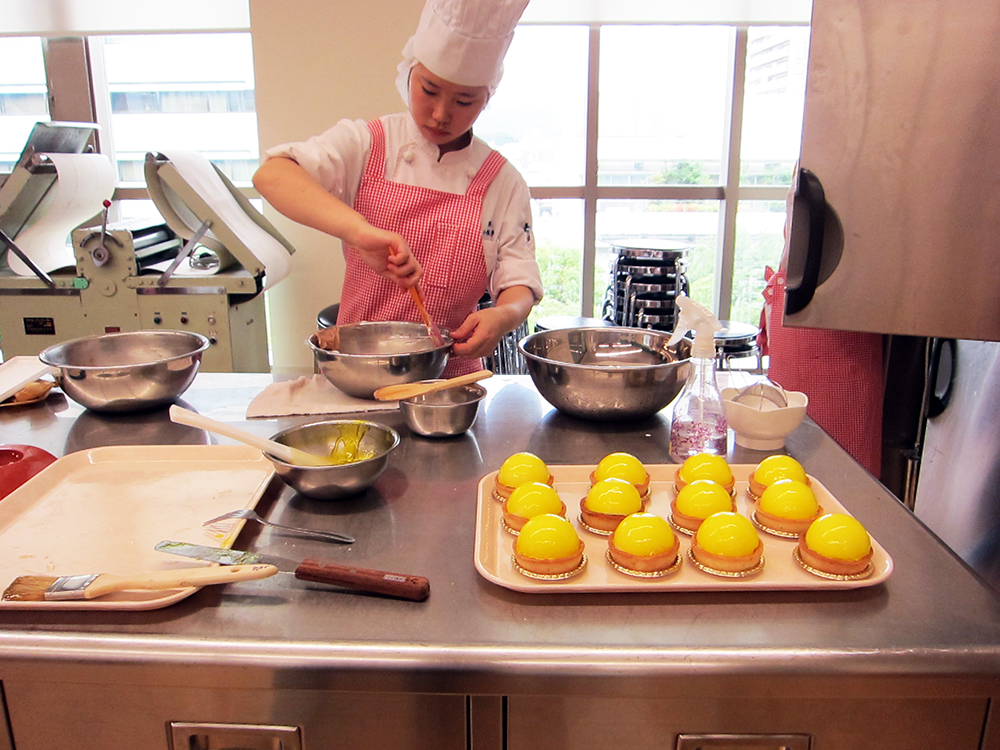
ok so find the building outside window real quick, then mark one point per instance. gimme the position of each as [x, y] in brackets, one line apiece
[24, 95]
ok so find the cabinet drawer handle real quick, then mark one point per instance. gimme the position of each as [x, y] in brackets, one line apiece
[744, 742]
[201, 736]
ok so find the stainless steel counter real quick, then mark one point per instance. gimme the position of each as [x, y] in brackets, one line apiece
[931, 631]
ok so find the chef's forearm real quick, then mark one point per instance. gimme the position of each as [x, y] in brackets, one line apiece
[289, 189]
[514, 302]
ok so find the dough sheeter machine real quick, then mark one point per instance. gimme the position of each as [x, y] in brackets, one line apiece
[200, 269]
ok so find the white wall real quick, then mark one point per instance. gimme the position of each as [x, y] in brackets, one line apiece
[317, 61]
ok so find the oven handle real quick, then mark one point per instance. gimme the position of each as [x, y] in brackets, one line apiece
[810, 190]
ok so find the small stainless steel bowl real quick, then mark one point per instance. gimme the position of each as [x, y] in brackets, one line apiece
[127, 372]
[342, 480]
[444, 413]
[369, 356]
[606, 374]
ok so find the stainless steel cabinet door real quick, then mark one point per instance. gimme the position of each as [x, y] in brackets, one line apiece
[901, 141]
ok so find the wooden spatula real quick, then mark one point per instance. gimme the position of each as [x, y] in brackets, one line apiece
[409, 390]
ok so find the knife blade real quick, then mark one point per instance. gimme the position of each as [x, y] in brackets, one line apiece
[398, 585]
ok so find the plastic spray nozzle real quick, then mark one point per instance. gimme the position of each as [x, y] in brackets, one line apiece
[696, 317]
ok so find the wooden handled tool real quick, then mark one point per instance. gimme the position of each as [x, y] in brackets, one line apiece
[409, 390]
[52, 588]
[414, 588]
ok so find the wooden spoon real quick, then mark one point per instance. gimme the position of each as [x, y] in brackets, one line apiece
[409, 390]
[286, 453]
[432, 329]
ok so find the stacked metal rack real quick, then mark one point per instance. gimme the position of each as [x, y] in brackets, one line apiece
[646, 276]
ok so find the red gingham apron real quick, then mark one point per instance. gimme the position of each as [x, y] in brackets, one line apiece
[444, 231]
[840, 371]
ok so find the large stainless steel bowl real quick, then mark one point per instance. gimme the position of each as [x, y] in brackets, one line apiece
[606, 374]
[126, 372]
[376, 442]
[368, 356]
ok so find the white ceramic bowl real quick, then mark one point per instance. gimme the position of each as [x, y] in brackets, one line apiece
[761, 424]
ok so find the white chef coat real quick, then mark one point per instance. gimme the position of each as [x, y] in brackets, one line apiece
[336, 160]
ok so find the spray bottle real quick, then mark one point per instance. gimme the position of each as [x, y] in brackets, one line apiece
[699, 420]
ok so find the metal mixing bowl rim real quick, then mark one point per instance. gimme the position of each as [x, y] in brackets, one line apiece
[396, 439]
[596, 368]
[480, 395]
[378, 355]
[203, 346]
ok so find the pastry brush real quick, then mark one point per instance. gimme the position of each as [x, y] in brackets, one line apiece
[91, 586]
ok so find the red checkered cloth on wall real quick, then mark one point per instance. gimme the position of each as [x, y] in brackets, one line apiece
[840, 371]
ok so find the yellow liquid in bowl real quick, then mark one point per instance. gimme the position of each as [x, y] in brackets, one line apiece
[347, 449]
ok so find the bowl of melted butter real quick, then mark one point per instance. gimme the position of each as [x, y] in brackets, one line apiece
[359, 451]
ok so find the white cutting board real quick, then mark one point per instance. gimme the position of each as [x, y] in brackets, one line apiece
[17, 372]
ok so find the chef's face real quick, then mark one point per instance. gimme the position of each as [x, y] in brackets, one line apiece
[444, 111]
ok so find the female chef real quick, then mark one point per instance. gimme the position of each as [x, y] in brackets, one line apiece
[416, 195]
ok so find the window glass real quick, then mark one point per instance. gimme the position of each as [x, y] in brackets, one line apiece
[558, 228]
[774, 98]
[759, 242]
[538, 116]
[692, 225]
[23, 95]
[190, 92]
[662, 109]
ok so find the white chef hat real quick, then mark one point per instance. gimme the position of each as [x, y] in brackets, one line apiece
[462, 41]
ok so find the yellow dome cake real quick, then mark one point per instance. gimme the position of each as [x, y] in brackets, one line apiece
[519, 469]
[705, 466]
[548, 545]
[787, 507]
[697, 501]
[836, 545]
[622, 466]
[644, 543]
[529, 500]
[607, 503]
[727, 544]
[773, 468]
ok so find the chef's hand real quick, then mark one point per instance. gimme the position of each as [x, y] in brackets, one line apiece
[480, 333]
[388, 255]
[292, 191]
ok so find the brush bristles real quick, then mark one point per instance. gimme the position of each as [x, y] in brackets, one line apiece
[28, 588]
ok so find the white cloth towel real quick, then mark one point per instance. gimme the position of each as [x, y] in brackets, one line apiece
[309, 395]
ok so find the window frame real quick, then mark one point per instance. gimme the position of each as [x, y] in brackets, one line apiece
[728, 193]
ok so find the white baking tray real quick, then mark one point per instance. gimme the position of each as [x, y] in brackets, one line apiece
[102, 511]
[17, 372]
[494, 546]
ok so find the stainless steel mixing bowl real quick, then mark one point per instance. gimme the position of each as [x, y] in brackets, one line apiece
[126, 372]
[443, 413]
[606, 374]
[368, 356]
[377, 442]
